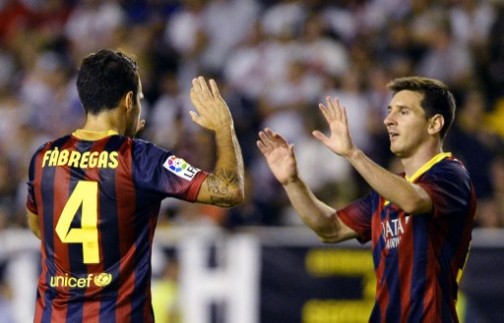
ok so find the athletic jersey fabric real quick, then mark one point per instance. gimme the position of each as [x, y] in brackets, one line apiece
[97, 197]
[418, 259]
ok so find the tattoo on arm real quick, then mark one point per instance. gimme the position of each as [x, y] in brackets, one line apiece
[220, 186]
[227, 175]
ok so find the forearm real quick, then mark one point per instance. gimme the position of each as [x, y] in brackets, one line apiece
[318, 216]
[226, 183]
[408, 196]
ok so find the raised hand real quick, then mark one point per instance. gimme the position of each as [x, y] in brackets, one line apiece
[339, 141]
[212, 111]
[279, 155]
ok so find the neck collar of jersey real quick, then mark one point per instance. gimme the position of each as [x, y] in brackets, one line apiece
[434, 160]
[93, 135]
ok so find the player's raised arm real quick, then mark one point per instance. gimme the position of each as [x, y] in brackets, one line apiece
[225, 186]
[409, 196]
[318, 216]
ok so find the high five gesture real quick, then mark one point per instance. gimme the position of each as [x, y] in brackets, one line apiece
[339, 141]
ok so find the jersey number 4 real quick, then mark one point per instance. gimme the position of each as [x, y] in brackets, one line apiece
[85, 194]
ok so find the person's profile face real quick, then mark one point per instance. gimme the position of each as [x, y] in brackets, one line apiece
[406, 123]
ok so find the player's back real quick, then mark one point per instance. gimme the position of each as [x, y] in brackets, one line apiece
[96, 230]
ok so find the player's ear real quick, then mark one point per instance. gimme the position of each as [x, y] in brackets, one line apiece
[128, 100]
[436, 123]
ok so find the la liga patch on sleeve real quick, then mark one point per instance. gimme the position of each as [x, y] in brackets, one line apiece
[180, 167]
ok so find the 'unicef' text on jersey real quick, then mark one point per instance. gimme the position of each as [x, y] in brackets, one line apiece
[88, 159]
[99, 280]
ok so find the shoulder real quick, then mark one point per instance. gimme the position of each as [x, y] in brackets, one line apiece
[450, 172]
[135, 145]
[141, 146]
[450, 167]
[145, 152]
[48, 145]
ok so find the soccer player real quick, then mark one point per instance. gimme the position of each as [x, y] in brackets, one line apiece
[419, 222]
[94, 195]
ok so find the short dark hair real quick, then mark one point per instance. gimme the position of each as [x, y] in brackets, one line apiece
[104, 78]
[437, 99]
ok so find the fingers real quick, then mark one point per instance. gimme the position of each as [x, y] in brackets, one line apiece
[198, 84]
[270, 140]
[333, 110]
[262, 147]
[345, 117]
[264, 143]
[195, 97]
[196, 87]
[194, 117]
[202, 90]
[215, 89]
[197, 91]
[202, 95]
[319, 135]
[274, 138]
[204, 87]
[334, 107]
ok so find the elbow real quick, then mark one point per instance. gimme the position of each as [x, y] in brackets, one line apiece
[240, 196]
[331, 238]
[418, 202]
[222, 192]
[336, 232]
[236, 191]
[326, 236]
[417, 206]
[327, 240]
[236, 197]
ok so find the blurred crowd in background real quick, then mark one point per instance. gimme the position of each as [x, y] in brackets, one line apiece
[274, 62]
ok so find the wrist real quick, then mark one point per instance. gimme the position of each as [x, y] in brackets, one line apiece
[292, 181]
[225, 130]
[353, 154]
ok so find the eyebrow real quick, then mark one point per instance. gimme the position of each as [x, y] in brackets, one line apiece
[400, 106]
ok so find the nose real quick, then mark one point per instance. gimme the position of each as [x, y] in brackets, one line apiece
[389, 119]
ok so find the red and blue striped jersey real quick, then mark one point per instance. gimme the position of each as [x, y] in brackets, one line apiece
[418, 259]
[97, 198]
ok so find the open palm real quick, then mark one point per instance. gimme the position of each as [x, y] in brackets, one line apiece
[212, 111]
[339, 141]
[279, 155]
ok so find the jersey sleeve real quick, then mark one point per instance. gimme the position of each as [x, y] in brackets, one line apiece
[30, 199]
[357, 215]
[160, 171]
[449, 186]
[31, 203]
